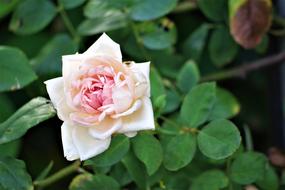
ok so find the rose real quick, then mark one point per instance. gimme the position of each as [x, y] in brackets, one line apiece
[97, 96]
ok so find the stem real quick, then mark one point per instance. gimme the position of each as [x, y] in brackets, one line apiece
[185, 6]
[241, 71]
[69, 26]
[58, 175]
[248, 138]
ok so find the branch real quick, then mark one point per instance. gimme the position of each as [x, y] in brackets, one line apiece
[243, 70]
[185, 6]
[59, 175]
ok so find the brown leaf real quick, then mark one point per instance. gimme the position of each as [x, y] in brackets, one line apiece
[250, 22]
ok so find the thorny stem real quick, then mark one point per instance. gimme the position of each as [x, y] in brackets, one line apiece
[58, 175]
[69, 26]
[243, 70]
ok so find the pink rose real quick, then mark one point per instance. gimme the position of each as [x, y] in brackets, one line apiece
[97, 96]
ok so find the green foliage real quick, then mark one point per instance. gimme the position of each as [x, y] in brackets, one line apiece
[148, 150]
[14, 175]
[225, 106]
[179, 151]
[136, 170]
[214, 10]
[228, 47]
[15, 70]
[87, 182]
[195, 43]
[158, 35]
[188, 76]
[48, 60]
[6, 7]
[31, 16]
[248, 167]
[197, 104]
[210, 180]
[149, 9]
[219, 139]
[104, 24]
[31, 114]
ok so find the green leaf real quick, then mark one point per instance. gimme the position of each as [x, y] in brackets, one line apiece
[214, 10]
[188, 76]
[119, 147]
[7, 6]
[158, 35]
[88, 182]
[226, 105]
[48, 61]
[13, 174]
[32, 16]
[102, 24]
[120, 173]
[11, 148]
[194, 45]
[158, 105]
[100, 8]
[67, 4]
[270, 180]
[210, 180]
[29, 115]
[172, 101]
[219, 139]
[157, 87]
[15, 70]
[222, 41]
[179, 152]
[149, 9]
[197, 104]
[136, 169]
[148, 150]
[7, 107]
[248, 167]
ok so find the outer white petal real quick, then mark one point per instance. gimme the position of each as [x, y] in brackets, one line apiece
[142, 119]
[144, 69]
[133, 108]
[87, 145]
[56, 94]
[105, 128]
[105, 46]
[69, 149]
[71, 64]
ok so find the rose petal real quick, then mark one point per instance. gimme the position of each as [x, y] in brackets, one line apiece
[144, 69]
[86, 145]
[56, 94]
[142, 119]
[105, 128]
[69, 150]
[105, 46]
[122, 98]
[132, 109]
